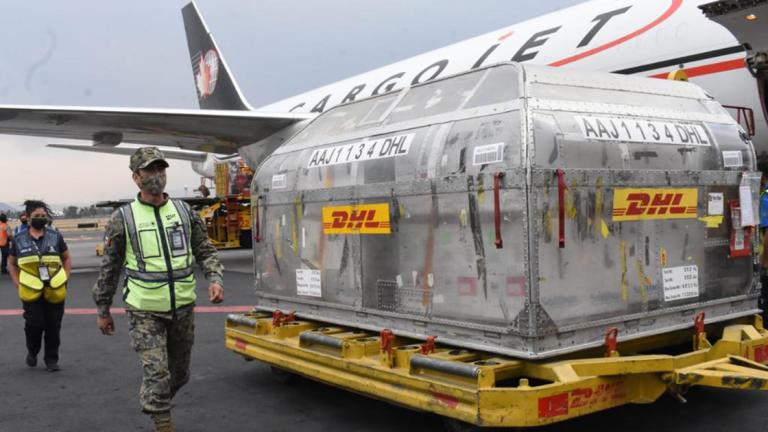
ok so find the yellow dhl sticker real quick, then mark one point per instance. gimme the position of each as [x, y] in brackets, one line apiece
[357, 219]
[645, 204]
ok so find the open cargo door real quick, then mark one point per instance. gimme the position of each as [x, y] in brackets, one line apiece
[746, 21]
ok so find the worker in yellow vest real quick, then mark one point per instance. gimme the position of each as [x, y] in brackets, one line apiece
[156, 240]
[5, 240]
[40, 265]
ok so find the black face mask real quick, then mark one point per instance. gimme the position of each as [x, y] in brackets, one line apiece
[38, 222]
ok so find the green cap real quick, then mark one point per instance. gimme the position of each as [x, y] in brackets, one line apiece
[145, 156]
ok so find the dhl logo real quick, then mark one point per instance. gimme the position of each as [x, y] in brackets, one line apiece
[359, 219]
[646, 204]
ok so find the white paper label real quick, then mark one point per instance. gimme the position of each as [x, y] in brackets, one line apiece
[361, 151]
[632, 130]
[488, 154]
[732, 159]
[715, 204]
[279, 181]
[738, 236]
[745, 202]
[681, 282]
[308, 283]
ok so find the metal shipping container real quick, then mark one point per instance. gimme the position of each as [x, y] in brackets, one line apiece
[513, 209]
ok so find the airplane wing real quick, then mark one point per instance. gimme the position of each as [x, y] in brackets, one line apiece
[213, 131]
[169, 154]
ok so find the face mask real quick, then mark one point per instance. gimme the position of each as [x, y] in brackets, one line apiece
[39, 222]
[154, 183]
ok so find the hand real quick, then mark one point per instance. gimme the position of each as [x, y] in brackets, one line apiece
[215, 293]
[106, 325]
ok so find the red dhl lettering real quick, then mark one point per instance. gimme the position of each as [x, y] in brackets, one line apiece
[360, 219]
[638, 204]
[562, 403]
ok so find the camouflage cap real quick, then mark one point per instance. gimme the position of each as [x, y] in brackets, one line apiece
[145, 156]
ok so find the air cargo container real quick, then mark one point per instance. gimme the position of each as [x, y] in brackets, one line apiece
[490, 230]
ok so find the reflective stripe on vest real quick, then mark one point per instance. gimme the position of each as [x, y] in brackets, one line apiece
[3, 234]
[31, 258]
[158, 258]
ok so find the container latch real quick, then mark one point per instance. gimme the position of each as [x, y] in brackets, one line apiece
[561, 206]
[496, 208]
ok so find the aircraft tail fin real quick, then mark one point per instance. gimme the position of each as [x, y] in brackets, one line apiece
[216, 87]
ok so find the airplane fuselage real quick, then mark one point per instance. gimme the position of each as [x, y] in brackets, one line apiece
[639, 37]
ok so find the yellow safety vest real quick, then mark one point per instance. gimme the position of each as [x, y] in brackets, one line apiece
[158, 256]
[34, 262]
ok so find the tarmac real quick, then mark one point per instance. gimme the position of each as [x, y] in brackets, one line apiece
[97, 388]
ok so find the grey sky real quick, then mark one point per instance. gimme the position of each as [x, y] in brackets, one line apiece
[99, 53]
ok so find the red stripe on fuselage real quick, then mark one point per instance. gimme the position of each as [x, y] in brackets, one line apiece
[709, 69]
[668, 13]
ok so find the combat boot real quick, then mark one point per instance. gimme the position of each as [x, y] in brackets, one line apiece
[163, 423]
[164, 426]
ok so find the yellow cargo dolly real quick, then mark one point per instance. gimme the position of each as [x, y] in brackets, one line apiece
[485, 389]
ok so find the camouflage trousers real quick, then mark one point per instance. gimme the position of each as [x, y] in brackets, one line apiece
[164, 345]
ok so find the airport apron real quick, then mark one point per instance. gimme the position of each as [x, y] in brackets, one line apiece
[158, 258]
[41, 271]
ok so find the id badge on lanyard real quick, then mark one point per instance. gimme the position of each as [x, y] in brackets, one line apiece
[177, 240]
[43, 271]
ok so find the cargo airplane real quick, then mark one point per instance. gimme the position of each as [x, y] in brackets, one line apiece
[721, 46]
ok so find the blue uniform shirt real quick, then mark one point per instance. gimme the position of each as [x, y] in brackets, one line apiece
[764, 209]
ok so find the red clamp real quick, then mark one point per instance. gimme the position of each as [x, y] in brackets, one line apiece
[387, 337]
[496, 208]
[278, 318]
[428, 347]
[561, 206]
[611, 341]
[698, 323]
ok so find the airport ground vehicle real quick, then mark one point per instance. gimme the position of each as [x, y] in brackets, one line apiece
[535, 222]
[229, 218]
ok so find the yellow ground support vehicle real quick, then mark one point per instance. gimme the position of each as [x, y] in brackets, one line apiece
[476, 388]
[229, 219]
[229, 222]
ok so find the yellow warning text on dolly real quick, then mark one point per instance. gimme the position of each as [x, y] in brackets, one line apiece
[357, 219]
[632, 204]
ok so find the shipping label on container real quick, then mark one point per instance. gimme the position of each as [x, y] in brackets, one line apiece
[361, 151]
[680, 282]
[357, 219]
[309, 283]
[488, 154]
[732, 159]
[642, 131]
[279, 181]
[632, 204]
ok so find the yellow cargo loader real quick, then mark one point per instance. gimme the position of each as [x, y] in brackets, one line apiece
[229, 222]
[486, 390]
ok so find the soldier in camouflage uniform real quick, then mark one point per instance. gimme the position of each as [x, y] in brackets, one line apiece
[156, 239]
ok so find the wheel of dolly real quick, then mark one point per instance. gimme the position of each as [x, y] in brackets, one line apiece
[281, 375]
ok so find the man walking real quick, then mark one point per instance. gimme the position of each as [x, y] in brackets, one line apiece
[158, 239]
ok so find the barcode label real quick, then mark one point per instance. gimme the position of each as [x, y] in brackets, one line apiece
[488, 154]
[732, 159]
